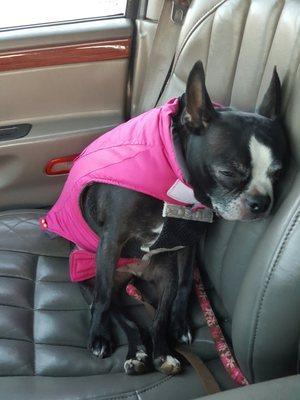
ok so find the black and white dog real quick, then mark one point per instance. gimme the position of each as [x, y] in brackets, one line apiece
[233, 159]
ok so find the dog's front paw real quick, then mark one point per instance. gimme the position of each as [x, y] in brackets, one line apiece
[137, 365]
[100, 346]
[181, 333]
[185, 337]
[168, 365]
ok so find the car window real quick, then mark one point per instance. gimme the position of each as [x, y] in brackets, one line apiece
[16, 13]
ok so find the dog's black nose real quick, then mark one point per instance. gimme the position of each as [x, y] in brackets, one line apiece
[258, 204]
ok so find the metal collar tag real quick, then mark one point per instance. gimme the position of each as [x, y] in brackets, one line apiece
[184, 212]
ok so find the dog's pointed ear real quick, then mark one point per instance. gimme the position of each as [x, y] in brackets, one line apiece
[271, 104]
[199, 109]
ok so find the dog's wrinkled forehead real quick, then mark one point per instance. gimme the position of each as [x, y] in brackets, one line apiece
[245, 142]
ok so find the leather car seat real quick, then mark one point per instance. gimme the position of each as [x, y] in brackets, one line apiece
[251, 269]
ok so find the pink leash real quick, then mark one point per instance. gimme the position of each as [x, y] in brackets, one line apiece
[222, 347]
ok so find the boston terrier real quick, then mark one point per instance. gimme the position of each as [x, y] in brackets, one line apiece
[148, 188]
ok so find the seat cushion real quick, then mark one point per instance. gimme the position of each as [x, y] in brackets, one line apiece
[44, 320]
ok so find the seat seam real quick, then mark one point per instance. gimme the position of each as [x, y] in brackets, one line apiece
[270, 47]
[14, 232]
[83, 347]
[197, 24]
[16, 306]
[223, 262]
[239, 50]
[33, 317]
[281, 248]
[73, 346]
[33, 253]
[63, 309]
[42, 309]
[189, 34]
[17, 340]
[22, 278]
[20, 212]
[210, 37]
[131, 394]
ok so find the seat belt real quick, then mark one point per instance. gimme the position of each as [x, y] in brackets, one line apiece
[162, 52]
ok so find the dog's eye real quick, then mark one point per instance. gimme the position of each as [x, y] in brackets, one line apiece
[227, 173]
[275, 175]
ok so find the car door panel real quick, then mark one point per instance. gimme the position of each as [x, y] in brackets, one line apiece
[71, 87]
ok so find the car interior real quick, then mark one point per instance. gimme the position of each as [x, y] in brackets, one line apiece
[62, 85]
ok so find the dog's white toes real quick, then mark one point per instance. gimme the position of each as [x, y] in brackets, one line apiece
[141, 355]
[169, 365]
[187, 338]
[137, 365]
[97, 352]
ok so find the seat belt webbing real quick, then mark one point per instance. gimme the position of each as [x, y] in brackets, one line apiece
[162, 51]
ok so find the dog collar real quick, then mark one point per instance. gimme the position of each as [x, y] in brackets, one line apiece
[188, 213]
[192, 211]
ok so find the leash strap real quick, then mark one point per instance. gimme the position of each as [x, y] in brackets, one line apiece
[208, 381]
[222, 347]
[162, 51]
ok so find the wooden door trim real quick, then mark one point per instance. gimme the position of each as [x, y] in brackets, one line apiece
[65, 54]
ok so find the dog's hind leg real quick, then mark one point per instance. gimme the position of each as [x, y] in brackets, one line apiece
[138, 359]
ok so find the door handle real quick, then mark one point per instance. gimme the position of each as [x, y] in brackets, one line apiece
[14, 131]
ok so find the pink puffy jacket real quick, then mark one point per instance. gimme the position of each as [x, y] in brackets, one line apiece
[137, 155]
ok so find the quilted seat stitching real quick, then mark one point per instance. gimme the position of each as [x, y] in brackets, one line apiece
[13, 231]
[130, 394]
[29, 221]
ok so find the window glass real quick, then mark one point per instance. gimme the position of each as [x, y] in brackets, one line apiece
[30, 12]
